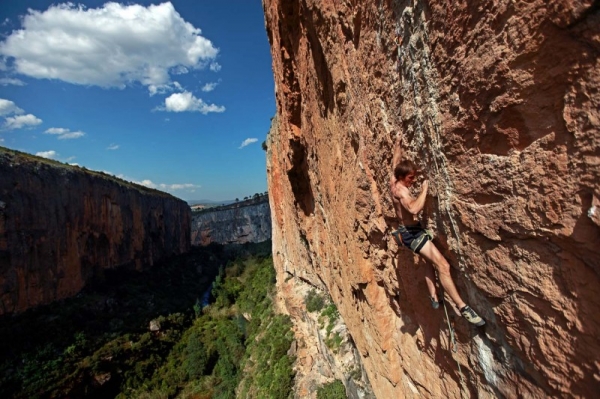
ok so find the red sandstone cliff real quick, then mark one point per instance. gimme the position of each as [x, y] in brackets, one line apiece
[60, 225]
[499, 101]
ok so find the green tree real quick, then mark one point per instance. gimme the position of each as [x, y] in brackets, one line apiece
[196, 357]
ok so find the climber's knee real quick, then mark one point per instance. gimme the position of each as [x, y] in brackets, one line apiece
[433, 255]
[443, 267]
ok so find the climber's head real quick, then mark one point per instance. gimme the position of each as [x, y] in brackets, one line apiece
[406, 172]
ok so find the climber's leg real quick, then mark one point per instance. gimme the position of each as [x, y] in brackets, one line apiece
[430, 280]
[433, 255]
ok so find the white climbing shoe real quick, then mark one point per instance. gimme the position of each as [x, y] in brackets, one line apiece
[471, 316]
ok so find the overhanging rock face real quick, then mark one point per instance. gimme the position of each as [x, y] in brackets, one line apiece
[60, 226]
[499, 103]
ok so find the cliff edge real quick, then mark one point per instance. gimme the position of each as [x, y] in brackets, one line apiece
[60, 225]
[237, 223]
[499, 103]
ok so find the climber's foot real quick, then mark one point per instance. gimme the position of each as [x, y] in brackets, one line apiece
[435, 304]
[471, 316]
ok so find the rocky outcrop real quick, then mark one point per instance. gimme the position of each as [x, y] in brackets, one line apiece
[61, 225]
[323, 349]
[499, 102]
[238, 223]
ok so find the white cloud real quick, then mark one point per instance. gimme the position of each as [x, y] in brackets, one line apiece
[21, 121]
[1, 140]
[11, 82]
[215, 66]
[110, 46]
[174, 187]
[209, 86]
[8, 107]
[17, 121]
[162, 89]
[147, 183]
[248, 142]
[47, 154]
[113, 147]
[56, 130]
[179, 70]
[162, 186]
[71, 135]
[159, 89]
[182, 102]
[64, 134]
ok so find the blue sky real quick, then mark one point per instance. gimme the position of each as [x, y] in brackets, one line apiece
[174, 95]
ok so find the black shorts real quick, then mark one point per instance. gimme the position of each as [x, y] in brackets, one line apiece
[413, 237]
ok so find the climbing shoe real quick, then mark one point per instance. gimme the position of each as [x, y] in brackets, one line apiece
[435, 304]
[471, 316]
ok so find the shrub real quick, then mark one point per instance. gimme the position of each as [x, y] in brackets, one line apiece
[333, 390]
[331, 313]
[314, 301]
[334, 342]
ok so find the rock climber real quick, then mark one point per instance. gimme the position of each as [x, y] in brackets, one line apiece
[411, 234]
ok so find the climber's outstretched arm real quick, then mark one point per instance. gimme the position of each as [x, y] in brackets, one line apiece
[397, 153]
[395, 161]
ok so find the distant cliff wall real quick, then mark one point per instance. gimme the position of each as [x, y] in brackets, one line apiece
[60, 225]
[499, 103]
[246, 221]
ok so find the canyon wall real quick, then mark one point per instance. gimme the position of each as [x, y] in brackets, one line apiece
[499, 103]
[238, 223]
[61, 225]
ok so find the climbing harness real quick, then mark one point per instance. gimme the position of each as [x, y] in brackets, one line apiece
[398, 238]
[415, 237]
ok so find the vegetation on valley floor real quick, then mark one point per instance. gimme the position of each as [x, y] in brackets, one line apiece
[99, 344]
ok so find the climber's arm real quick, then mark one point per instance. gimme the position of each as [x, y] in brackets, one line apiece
[411, 204]
[395, 160]
[397, 153]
